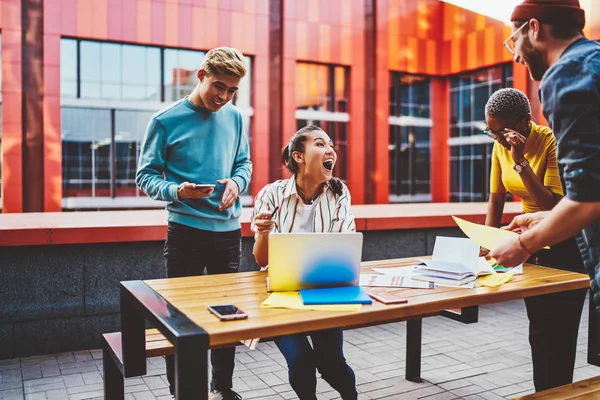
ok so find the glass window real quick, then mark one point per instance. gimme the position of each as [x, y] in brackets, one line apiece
[111, 71]
[86, 148]
[120, 72]
[90, 70]
[68, 68]
[180, 75]
[470, 150]
[322, 99]
[410, 138]
[130, 127]
[242, 98]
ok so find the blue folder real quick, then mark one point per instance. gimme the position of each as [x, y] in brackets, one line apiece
[338, 295]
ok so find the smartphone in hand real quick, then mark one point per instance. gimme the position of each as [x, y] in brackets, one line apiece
[227, 312]
[204, 185]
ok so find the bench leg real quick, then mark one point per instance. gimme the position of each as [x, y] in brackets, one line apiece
[191, 368]
[413, 350]
[114, 388]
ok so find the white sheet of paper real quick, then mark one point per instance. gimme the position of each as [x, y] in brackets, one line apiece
[485, 266]
[397, 271]
[456, 250]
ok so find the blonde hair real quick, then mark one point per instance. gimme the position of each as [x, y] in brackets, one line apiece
[224, 60]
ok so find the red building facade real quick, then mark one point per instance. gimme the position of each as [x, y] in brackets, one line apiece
[348, 65]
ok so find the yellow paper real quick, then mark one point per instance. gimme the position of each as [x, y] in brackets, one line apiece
[485, 236]
[294, 301]
[495, 280]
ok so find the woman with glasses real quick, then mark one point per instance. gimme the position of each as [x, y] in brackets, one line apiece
[524, 164]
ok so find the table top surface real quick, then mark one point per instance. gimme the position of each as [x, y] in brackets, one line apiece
[247, 290]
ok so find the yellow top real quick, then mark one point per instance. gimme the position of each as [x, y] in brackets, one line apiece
[540, 151]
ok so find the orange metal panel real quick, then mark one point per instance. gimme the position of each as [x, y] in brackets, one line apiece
[11, 108]
[324, 44]
[171, 24]
[157, 22]
[129, 19]
[51, 22]
[301, 41]
[432, 57]
[313, 11]
[223, 29]
[413, 55]
[114, 20]
[144, 21]
[347, 46]
[238, 31]
[100, 19]
[249, 34]
[185, 25]
[84, 18]
[490, 40]
[52, 50]
[198, 30]
[250, 6]
[52, 147]
[473, 57]
[11, 15]
[262, 35]
[12, 172]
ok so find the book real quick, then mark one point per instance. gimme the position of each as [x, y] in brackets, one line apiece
[455, 262]
[386, 297]
[338, 295]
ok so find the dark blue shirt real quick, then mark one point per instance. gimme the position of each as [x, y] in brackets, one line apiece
[570, 95]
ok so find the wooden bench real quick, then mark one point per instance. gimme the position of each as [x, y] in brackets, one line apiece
[112, 359]
[586, 389]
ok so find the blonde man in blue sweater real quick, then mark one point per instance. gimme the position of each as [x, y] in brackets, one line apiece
[188, 147]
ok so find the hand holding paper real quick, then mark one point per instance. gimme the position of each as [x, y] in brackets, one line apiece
[486, 236]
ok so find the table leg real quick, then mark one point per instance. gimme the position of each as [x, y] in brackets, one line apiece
[413, 350]
[133, 336]
[191, 367]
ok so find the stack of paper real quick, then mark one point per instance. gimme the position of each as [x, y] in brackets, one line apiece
[455, 261]
[372, 280]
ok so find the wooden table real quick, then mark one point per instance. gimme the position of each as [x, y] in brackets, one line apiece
[178, 308]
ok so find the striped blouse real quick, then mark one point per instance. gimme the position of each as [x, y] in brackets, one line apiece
[332, 212]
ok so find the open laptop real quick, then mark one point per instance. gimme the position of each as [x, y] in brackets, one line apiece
[313, 260]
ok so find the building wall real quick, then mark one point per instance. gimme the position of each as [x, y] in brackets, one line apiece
[426, 37]
[329, 32]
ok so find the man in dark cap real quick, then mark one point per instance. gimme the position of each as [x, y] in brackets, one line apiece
[547, 38]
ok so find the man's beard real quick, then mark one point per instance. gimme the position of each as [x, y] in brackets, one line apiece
[534, 61]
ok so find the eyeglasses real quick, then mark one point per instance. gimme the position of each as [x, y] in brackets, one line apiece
[493, 134]
[510, 42]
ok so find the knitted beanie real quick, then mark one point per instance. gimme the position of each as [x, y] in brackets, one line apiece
[555, 12]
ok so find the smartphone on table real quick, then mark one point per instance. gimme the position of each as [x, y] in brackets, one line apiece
[227, 312]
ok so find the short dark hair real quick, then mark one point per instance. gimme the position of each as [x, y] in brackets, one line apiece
[561, 32]
[298, 143]
[508, 102]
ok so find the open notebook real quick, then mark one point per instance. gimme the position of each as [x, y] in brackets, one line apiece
[455, 261]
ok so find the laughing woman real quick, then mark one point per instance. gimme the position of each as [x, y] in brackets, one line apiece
[312, 200]
[524, 164]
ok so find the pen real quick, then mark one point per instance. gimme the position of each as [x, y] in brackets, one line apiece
[273, 213]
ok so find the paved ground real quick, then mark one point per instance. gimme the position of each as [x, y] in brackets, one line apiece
[487, 360]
